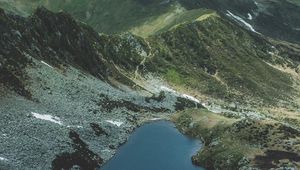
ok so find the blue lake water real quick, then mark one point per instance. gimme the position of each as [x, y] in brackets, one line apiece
[155, 146]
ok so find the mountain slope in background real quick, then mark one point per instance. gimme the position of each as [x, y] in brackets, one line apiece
[105, 16]
[278, 18]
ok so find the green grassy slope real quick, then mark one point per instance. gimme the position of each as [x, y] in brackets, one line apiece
[145, 18]
[211, 55]
[105, 16]
[216, 57]
[164, 22]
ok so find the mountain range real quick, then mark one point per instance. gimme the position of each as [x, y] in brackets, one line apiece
[77, 77]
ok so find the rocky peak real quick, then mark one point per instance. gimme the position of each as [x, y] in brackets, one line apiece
[54, 38]
[54, 22]
[72, 42]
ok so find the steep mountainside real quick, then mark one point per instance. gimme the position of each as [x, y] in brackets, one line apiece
[277, 18]
[70, 96]
[214, 57]
[105, 16]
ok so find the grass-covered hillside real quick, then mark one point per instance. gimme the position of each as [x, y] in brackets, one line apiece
[209, 55]
[112, 16]
[278, 19]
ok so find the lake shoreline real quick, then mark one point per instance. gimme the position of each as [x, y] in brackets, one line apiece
[167, 125]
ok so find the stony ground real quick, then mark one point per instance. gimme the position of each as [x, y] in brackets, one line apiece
[72, 117]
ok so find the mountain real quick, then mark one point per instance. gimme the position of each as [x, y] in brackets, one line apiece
[70, 96]
[210, 55]
[61, 101]
[105, 16]
[277, 18]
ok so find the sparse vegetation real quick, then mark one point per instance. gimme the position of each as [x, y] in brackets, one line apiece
[173, 77]
[234, 143]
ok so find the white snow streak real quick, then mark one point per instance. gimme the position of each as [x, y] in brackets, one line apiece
[117, 123]
[106, 150]
[3, 159]
[164, 88]
[50, 118]
[271, 53]
[154, 119]
[46, 64]
[190, 98]
[79, 127]
[241, 20]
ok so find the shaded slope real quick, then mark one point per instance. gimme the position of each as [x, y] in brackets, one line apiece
[56, 39]
[105, 16]
[279, 19]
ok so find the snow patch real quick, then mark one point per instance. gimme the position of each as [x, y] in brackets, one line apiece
[50, 118]
[242, 21]
[46, 64]
[106, 150]
[164, 88]
[79, 127]
[271, 53]
[3, 159]
[117, 123]
[154, 119]
[250, 16]
[167, 89]
[190, 98]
